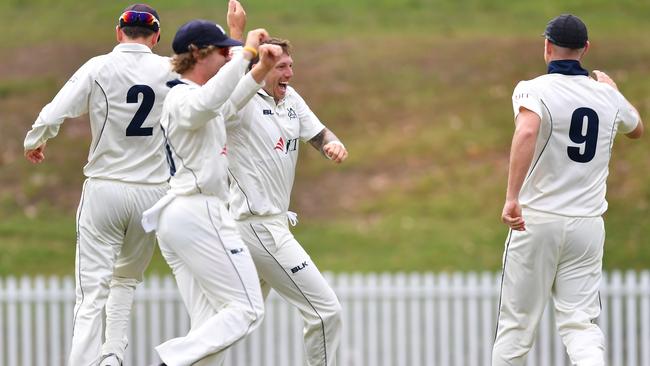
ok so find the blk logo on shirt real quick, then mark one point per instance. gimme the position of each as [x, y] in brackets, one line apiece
[291, 113]
[286, 146]
[299, 267]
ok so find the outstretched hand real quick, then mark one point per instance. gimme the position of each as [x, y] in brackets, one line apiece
[512, 217]
[236, 19]
[35, 155]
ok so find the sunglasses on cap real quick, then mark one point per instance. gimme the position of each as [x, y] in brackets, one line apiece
[139, 18]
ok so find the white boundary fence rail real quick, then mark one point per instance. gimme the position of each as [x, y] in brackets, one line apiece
[389, 319]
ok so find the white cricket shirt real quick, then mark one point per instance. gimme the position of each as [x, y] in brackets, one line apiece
[123, 93]
[579, 120]
[193, 120]
[263, 142]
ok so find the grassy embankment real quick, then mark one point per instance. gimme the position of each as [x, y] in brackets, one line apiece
[418, 90]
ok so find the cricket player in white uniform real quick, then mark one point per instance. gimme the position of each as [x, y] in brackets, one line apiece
[565, 128]
[197, 236]
[127, 172]
[263, 142]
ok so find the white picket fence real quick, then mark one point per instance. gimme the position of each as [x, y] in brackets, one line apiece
[390, 320]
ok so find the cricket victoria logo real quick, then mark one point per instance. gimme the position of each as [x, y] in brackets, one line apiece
[286, 146]
[291, 113]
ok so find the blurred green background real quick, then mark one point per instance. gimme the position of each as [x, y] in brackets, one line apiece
[419, 91]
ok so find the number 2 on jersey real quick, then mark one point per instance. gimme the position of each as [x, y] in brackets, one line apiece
[148, 96]
[588, 138]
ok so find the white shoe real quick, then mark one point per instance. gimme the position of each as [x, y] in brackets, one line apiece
[110, 360]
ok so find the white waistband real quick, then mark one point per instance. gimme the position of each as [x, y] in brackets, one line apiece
[527, 211]
[142, 184]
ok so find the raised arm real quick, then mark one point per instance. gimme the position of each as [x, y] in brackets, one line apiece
[236, 19]
[253, 81]
[637, 132]
[205, 103]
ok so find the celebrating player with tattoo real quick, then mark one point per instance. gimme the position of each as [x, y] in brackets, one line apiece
[263, 151]
[198, 238]
[565, 128]
[127, 172]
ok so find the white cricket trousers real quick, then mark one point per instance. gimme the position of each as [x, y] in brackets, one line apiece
[283, 265]
[216, 278]
[556, 256]
[113, 252]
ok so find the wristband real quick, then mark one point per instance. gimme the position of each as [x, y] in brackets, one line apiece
[251, 50]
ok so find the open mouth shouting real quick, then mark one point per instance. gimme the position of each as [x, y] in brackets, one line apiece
[282, 87]
[277, 81]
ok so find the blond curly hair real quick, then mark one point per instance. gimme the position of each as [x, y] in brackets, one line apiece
[185, 61]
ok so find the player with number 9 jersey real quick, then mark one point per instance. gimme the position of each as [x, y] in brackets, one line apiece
[580, 118]
[122, 92]
[565, 124]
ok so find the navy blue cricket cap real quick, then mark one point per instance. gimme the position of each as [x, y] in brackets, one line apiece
[567, 31]
[140, 15]
[201, 33]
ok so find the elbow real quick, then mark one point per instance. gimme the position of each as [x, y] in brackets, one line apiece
[527, 134]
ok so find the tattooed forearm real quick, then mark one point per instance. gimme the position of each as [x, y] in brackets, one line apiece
[323, 138]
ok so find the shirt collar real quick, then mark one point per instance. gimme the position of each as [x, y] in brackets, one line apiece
[263, 93]
[173, 83]
[132, 47]
[187, 81]
[266, 95]
[566, 67]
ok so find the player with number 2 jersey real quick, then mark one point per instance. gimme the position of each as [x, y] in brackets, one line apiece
[127, 172]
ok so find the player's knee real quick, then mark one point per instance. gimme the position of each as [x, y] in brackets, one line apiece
[332, 316]
[254, 314]
[259, 314]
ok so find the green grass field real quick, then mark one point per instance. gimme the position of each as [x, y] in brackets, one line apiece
[418, 90]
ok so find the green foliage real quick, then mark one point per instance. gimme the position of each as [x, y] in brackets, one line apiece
[37, 21]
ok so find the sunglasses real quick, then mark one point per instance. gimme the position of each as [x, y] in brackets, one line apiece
[133, 17]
